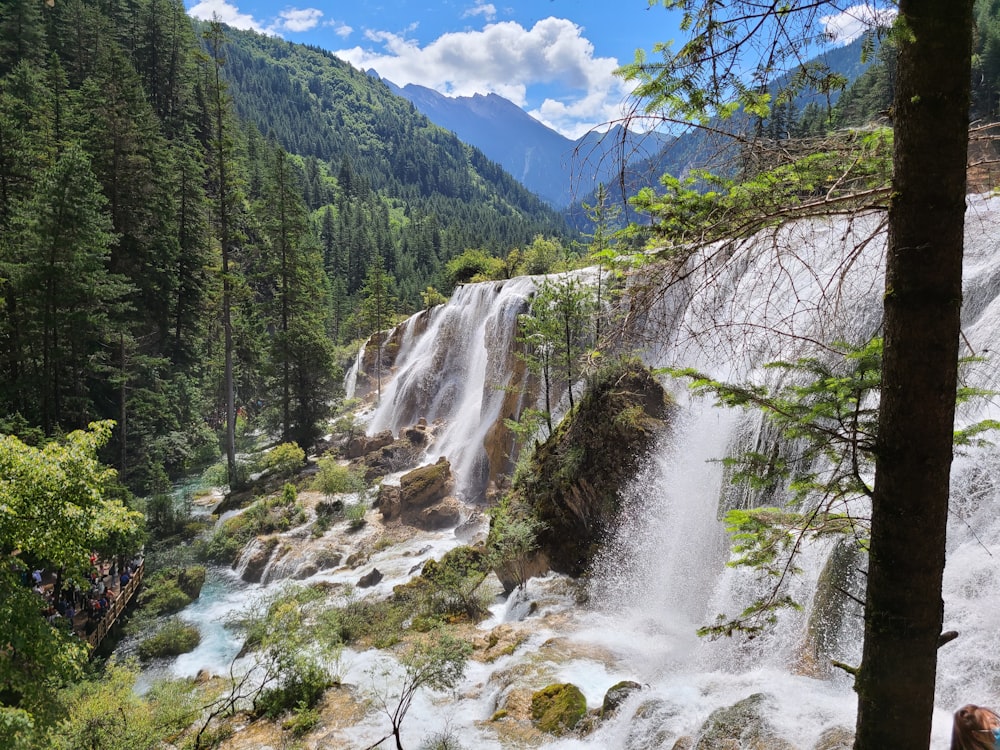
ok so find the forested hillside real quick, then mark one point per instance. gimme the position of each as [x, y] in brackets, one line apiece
[429, 195]
[191, 220]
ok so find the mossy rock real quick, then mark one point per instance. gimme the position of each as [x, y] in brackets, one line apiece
[741, 726]
[425, 484]
[172, 589]
[173, 639]
[191, 579]
[836, 738]
[618, 694]
[573, 482]
[558, 708]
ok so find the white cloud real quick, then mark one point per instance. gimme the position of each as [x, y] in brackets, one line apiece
[298, 19]
[290, 20]
[506, 59]
[486, 10]
[850, 23]
[226, 13]
[340, 29]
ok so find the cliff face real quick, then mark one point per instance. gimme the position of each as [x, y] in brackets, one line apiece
[576, 475]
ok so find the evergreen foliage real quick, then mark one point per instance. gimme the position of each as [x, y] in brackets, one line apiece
[189, 217]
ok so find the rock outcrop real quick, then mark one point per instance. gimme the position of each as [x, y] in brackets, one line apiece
[382, 454]
[422, 498]
[557, 709]
[576, 475]
[742, 725]
[362, 445]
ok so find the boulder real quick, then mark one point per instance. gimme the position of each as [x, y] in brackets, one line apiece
[836, 738]
[742, 726]
[421, 499]
[442, 515]
[647, 727]
[618, 694]
[257, 559]
[370, 579]
[425, 485]
[558, 708]
[395, 455]
[362, 445]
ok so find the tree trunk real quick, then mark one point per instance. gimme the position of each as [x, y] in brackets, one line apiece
[904, 610]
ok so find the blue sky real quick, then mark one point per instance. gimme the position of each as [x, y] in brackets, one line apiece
[553, 58]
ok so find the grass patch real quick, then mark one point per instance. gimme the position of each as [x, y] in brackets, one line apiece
[174, 638]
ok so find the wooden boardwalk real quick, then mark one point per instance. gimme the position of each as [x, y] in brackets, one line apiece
[116, 608]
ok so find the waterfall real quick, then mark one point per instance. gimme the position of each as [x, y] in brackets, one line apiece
[784, 294]
[455, 365]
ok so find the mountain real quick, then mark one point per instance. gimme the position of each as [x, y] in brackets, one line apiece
[319, 107]
[558, 169]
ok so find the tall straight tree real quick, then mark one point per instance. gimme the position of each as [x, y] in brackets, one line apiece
[298, 304]
[378, 302]
[922, 305]
[225, 193]
[923, 294]
[66, 288]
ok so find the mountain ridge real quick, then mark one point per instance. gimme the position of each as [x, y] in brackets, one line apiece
[548, 163]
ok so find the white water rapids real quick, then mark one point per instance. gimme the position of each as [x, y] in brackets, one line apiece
[665, 573]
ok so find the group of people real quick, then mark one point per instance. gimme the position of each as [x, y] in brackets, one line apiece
[94, 601]
[975, 728]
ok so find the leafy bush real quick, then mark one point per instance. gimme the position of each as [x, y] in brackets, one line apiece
[543, 256]
[171, 590]
[305, 681]
[455, 582]
[279, 513]
[174, 638]
[94, 711]
[288, 494]
[431, 297]
[302, 721]
[470, 265]
[217, 475]
[162, 517]
[334, 478]
[355, 515]
[284, 460]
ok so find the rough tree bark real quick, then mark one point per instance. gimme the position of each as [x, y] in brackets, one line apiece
[923, 294]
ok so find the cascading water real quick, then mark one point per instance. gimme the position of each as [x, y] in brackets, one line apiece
[781, 296]
[456, 366]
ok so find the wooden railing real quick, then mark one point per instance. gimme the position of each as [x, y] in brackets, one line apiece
[116, 608]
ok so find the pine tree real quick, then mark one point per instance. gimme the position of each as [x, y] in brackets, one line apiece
[223, 181]
[65, 287]
[378, 310]
[298, 306]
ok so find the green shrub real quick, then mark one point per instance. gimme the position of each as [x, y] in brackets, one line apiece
[217, 475]
[174, 638]
[355, 515]
[302, 721]
[171, 590]
[284, 459]
[470, 265]
[334, 479]
[288, 494]
[221, 548]
[305, 681]
[279, 513]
